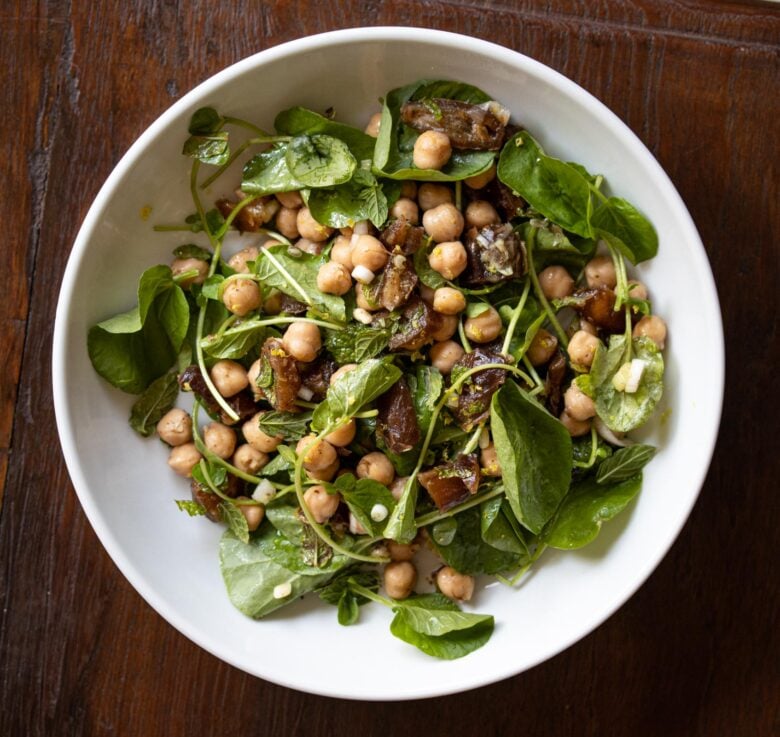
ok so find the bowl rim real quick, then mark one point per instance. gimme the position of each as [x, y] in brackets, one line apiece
[311, 43]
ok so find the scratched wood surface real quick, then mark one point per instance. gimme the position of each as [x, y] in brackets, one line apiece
[695, 652]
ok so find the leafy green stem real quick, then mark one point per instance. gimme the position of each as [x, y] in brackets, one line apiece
[594, 447]
[235, 154]
[510, 330]
[532, 371]
[463, 339]
[234, 214]
[371, 595]
[245, 124]
[474, 439]
[432, 517]
[288, 278]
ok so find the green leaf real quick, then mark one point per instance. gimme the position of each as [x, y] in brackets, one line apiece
[359, 343]
[443, 532]
[625, 463]
[192, 508]
[152, 405]
[552, 187]
[585, 508]
[534, 451]
[296, 275]
[235, 520]
[427, 275]
[339, 593]
[394, 148]
[190, 250]
[552, 247]
[205, 121]
[620, 224]
[356, 388]
[267, 173]
[401, 526]
[319, 160]
[361, 496]
[235, 342]
[426, 386]
[210, 149]
[497, 528]
[290, 425]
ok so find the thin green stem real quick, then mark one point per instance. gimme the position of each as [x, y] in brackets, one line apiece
[594, 447]
[371, 595]
[564, 340]
[463, 339]
[510, 330]
[294, 284]
[234, 214]
[172, 228]
[531, 370]
[474, 439]
[245, 124]
[432, 517]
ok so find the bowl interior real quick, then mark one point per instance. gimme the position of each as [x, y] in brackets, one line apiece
[127, 489]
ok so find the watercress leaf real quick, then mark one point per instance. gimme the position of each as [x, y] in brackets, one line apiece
[155, 401]
[606, 361]
[552, 247]
[426, 385]
[622, 411]
[467, 551]
[534, 451]
[552, 187]
[204, 121]
[369, 380]
[236, 521]
[250, 575]
[362, 496]
[625, 463]
[359, 343]
[427, 275]
[623, 226]
[497, 529]
[475, 309]
[340, 583]
[288, 425]
[585, 508]
[236, 342]
[348, 610]
[212, 287]
[208, 149]
[443, 531]
[192, 508]
[190, 250]
[319, 160]
[267, 172]
[295, 274]
[401, 526]
[361, 198]
[300, 121]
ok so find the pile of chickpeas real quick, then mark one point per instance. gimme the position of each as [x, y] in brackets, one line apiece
[356, 257]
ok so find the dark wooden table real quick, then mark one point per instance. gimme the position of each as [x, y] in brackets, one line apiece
[695, 652]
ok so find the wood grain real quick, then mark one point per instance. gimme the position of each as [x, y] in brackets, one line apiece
[694, 652]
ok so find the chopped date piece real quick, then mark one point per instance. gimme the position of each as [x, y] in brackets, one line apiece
[495, 254]
[191, 379]
[397, 282]
[409, 238]
[597, 305]
[292, 306]
[453, 482]
[279, 378]
[470, 127]
[207, 499]
[418, 322]
[556, 372]
[501, 197]
[477, 391]
[316, 376]
[252, 216]
[397, 420]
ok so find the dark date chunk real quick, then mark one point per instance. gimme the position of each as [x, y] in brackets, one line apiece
[508, 204]
[416, 327]
[396, 422]
[496, 253]
[253, 216]
[597, 306]
[453, 482]
[553, 383]
[477, 391]
[468, 126]
[316, 376]
[402, 234]
[207, 499]
[191, 379]
[291, 306]
[279, 378]
[397, 282]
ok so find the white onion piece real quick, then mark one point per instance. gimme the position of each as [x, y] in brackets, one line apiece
[379, 512]
[362, 274]
[282, 590]
[354, 525]
[638, 367]
[362, 315]
[609, 436]
[305, 393]
[361, 227]
[264, 492]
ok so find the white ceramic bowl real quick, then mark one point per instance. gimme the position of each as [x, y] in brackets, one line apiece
[126, 488]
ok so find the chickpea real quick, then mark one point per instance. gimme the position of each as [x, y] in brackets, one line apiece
[579, 406]
[287, 222]
[399, 579]
[449, 259]
[582, 348]
[253, 513]
[432, 150]
[302, 341]
[341, 252]
[321, 504]
[239, 261]
[448, 326]
[252, 376]
[325, 474]
[600, 272]
[175, 427]
[455, 585]
[291, 200]
[406, 209]
[478, 181]
[362, 301]
[576, 428]
[249, 459]
[443, 223]
[484, 327]
[376, 466]
[400, 551]
[653, 327]
[230, 377]
[309, 228]
[257, 438]
[588, 327]
[343, 435]
[318, 455]
[409, 190]
[333, 278]
[636, 289]
[448, 301]
[308, 246]
[372, 127]
[444, 355]
[369, 252]
[338, 373]
[542, 348]
[219, 439]
[488, 458]
[480, 213]
[397, 487]
[430, 195]
[273, 302]
[556, 282]
[183, 458]
[241, 296]
[181, 265]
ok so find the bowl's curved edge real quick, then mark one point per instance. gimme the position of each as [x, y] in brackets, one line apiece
[61, 337]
